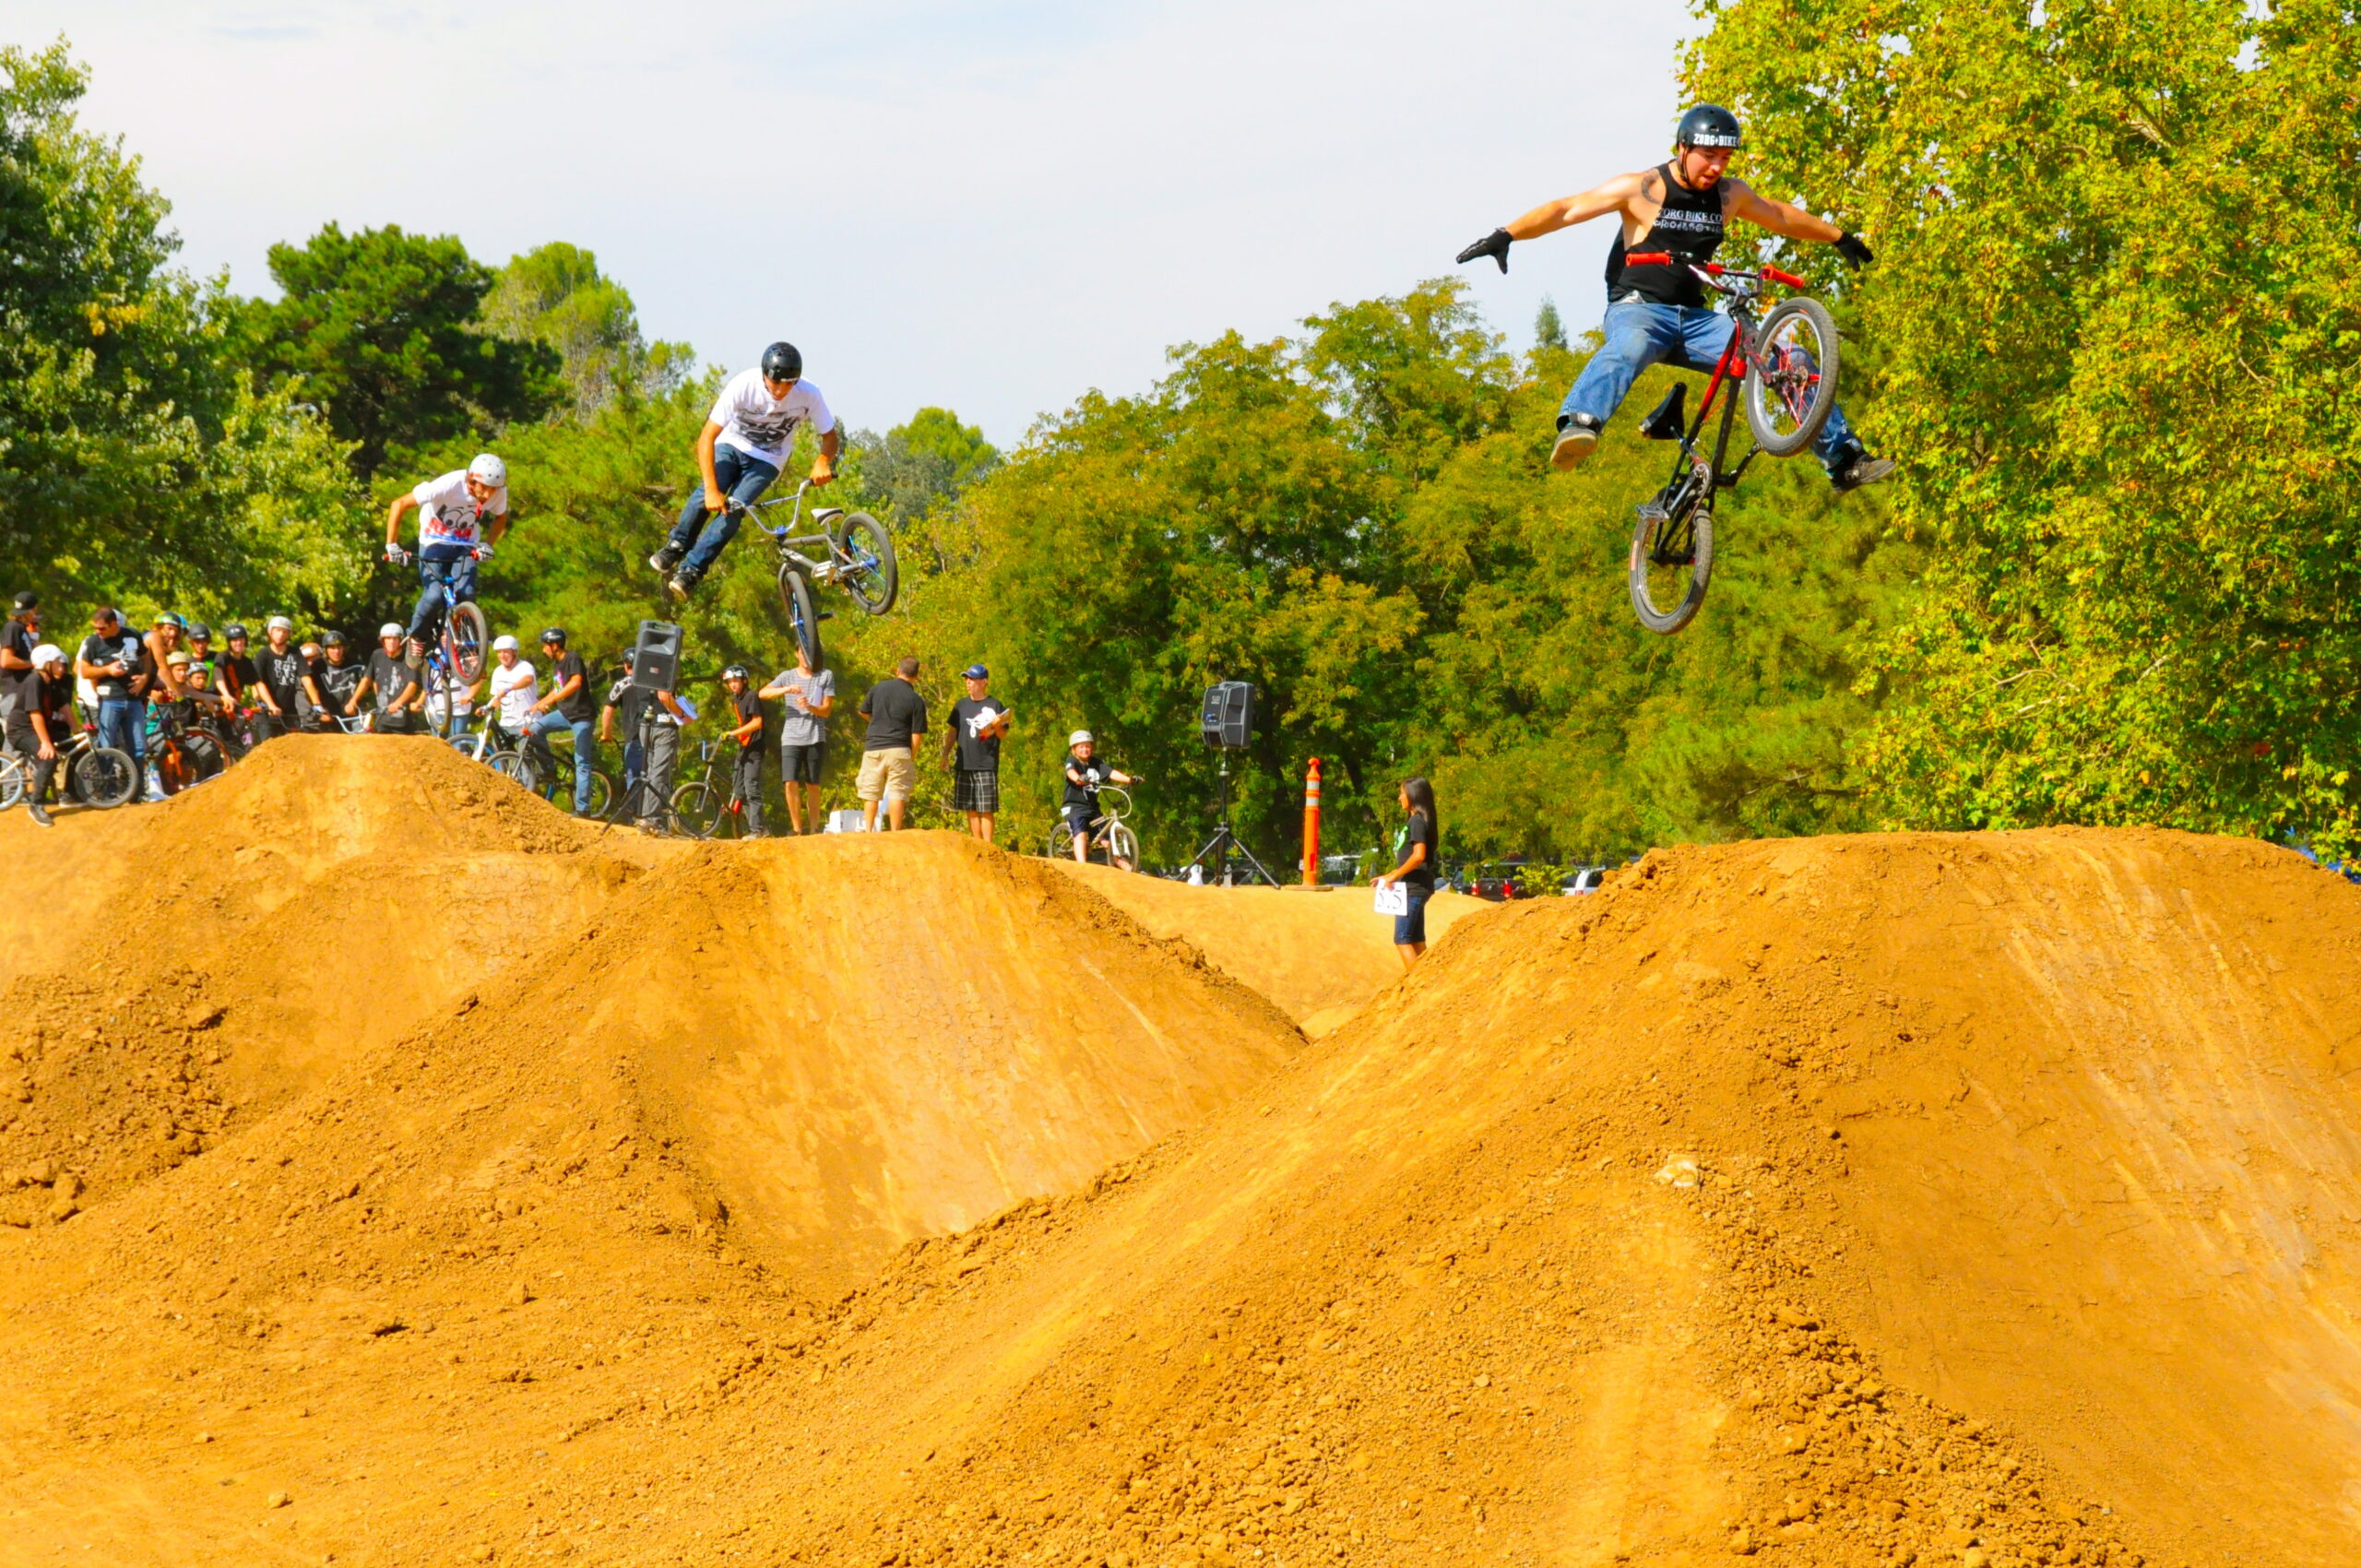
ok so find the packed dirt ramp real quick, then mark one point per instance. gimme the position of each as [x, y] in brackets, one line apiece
[1908, 1200]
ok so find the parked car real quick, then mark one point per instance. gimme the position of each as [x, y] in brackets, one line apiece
[1584, 879]
[1499, 881]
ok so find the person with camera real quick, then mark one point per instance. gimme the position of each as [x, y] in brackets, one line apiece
[806, 697]
[1086, 775]
[116, 663]
[655, 719]
[1418, 843]
[40, 723]
[889, 752]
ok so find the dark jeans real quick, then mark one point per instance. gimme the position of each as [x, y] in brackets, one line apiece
[742, 478]
[663, 756]
[586, 752]
[748, 778]
[26, 744]
[1412, 927]
[432, 601]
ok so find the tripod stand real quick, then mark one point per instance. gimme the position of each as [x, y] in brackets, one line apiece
[1224, 843]
[643, 801]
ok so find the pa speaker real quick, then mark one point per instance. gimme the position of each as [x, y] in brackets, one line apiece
[656, 659]
[1228, 717]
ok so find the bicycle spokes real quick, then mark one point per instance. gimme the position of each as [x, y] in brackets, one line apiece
[1788, 376]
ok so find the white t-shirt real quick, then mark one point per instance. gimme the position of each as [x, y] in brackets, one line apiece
[448, 514]
[513, 688]
[763, 427]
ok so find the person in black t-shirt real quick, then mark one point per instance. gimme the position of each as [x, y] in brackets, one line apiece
[1418, 845]
[281, 680]
[978, 723]
[17, 644]
[234, 674]
[1085, 772]
[746, 718]
[40, 723]
[340, 679]
[889, 752]
[115, 662]
[565, 705]
[393, 684]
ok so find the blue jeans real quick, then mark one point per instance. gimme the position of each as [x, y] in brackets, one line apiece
[586, 752]
[122, 724]
[432, 563]
[1640, 333]
[1412, 927]
[742, 478]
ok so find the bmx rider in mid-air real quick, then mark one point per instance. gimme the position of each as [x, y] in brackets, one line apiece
[461, 516]
[1658, 314]
[744, 444]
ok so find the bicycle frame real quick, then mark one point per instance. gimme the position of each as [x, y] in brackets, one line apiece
[837, 562]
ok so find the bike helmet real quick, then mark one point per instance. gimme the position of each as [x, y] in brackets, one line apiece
[735, 672]
[281, 623]
[48, 653]
[233, 631]
[495, 472]
[783, 362]
[331, 639]
[166, 618]
[504, 641]
[1709, 124]
[1079, 737]
[390, 629]
[199, 631]
[553, 635]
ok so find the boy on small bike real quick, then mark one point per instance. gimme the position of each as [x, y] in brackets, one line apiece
[744, 444]
[1084, 776]
[1657, 315]
[461, 516]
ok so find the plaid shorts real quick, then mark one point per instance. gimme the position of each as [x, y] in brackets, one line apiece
[975, 791]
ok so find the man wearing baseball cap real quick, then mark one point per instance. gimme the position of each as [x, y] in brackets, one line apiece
[17, 644]
[978, 723]
[40, 722]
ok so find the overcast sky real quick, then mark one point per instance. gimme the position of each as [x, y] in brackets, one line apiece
[988, 205]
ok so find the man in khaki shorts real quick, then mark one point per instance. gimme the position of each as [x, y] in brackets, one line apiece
[897, 716]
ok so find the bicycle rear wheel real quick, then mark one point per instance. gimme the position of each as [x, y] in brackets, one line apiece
[1062, 842]
[14, 777]
[1790, 390]
[697, 808]
[871, 575]
[602, 795]
[802, 618]
[105, 777]
[1672, 560]
[470, 637]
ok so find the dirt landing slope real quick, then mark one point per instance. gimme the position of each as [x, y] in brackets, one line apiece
[1975, 1200]
[1319, 956]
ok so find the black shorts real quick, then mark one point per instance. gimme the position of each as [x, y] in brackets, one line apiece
[976, 790]
[1079, 818]
[802, 765]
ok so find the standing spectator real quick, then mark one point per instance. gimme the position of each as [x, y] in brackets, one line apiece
[807, 697]
[1418, 845]
[340, 679]
[40, 722]
[17, 644]
[565, 706]
[392, 682]
[661, 752]
[897, 716]
[746, 709]
[200, 644]
[515, 684]
[115, 662]
[978, 723]
[1085, 772]
[281, 680]
[235, 675]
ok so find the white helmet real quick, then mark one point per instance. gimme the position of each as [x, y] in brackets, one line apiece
[499, 644]
[490, 469]
[48, 653]
[1078, 737]
[390, 629]
[279, 624]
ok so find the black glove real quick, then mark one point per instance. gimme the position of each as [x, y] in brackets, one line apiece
[1853, 250]
[1494, 244]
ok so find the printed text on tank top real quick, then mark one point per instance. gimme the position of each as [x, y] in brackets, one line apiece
[1687, 222]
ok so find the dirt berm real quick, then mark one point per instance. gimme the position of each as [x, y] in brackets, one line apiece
[1933, 1200]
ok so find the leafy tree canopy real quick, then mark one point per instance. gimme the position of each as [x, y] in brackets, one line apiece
[556, 296]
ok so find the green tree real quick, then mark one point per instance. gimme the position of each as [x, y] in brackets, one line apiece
[378, 329]
[2118, 301]
[1548, 327]
[139, 462]
[557, 297]
[917, 467]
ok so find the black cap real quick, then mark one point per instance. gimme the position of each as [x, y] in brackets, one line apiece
[28, 600]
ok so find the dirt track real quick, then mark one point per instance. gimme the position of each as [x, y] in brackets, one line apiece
[1949, 1199]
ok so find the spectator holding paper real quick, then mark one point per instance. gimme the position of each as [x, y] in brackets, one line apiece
[1418, 845]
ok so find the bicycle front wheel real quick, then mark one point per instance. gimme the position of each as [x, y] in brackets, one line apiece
[105, 777]
[871, 575]
[802, 617]
[470, 637]
[12, 778]
[696, 808]
[1790, 390]
[1122, 848]
[1672, 560]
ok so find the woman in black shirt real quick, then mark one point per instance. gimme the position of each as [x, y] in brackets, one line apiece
[1418, 845]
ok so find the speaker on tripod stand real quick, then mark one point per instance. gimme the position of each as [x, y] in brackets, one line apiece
[1226, 722]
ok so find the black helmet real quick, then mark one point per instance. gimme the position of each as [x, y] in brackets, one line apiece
[784, 361]
[735, 672]
[331, 639]
[199, 632]
[553, 635]
[234, 629]
[1709, 124]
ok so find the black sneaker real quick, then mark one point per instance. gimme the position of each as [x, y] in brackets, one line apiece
[1577, 439]
[666, 559]
[39, 814]
[680, 585]
[1863, 470]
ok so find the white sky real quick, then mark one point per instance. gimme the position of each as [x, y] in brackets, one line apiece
[990, 205]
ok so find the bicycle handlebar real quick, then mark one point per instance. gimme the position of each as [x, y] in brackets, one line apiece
[1712, 269]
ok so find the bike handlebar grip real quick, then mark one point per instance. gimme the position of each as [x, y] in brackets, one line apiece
[1788, 279]
[1648, 258]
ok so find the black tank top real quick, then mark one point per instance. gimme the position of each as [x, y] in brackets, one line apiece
[1690, 226]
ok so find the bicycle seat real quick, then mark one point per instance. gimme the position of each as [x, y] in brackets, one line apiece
[1665, 422]
[825, 515]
